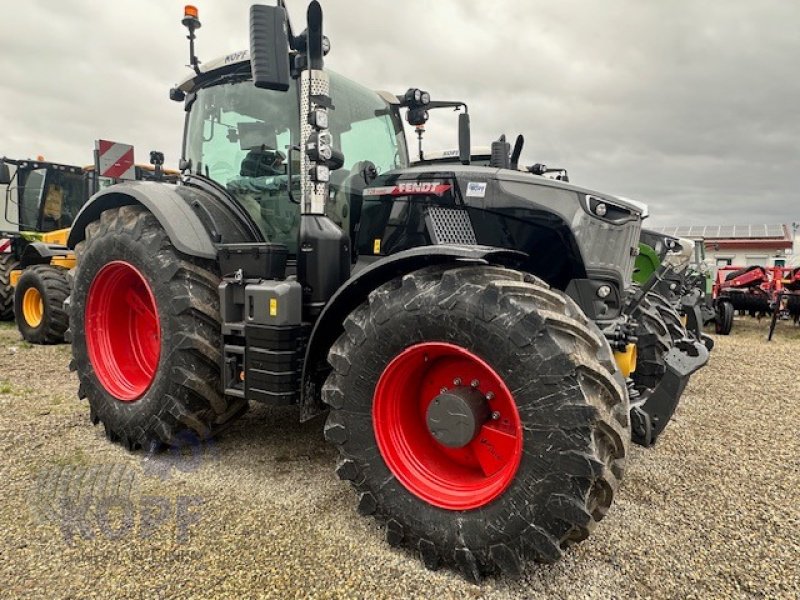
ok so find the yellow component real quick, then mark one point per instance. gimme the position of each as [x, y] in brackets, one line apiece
[32, 307]
[65, 262]
[376, 246]
[190, 11]
[14, 276]
[626, 361]
[59, 236]
[273, 307]
[683, 320]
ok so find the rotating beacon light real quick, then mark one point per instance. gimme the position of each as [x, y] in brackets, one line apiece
[191, 20]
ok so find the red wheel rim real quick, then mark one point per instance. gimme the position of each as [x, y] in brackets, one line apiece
[453, 478]
[123, 334]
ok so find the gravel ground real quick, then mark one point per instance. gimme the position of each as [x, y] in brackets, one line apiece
[712, 512]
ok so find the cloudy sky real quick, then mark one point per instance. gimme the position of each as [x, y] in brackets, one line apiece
[691, 106]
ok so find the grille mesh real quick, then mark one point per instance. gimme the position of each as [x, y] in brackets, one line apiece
[450, 226]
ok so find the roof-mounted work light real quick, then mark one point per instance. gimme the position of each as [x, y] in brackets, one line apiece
[416, 98]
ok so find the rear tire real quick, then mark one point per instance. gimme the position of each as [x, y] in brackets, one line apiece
[7, 264]
[723, 323]
[172, 393]
[568, 395]
[39, 304]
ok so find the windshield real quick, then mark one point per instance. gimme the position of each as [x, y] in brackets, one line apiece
[238, 136]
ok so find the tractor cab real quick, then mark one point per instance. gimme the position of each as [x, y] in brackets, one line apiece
[245, 139]
[42, 196]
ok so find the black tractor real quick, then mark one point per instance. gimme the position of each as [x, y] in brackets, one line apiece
[462, 326]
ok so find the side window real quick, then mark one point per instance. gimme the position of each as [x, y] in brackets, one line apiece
[753, 261]
[366, 140]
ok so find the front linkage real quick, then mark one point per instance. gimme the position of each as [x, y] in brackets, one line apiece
[652, 410]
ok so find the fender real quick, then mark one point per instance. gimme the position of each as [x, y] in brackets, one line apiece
[195, 219]
[40, 253]
[355, 290]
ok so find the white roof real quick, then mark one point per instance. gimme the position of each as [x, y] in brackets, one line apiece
[214, 64]
[474, 151]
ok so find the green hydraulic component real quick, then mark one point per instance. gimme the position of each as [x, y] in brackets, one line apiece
[646, 264]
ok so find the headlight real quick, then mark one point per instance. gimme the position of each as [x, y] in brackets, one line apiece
[609, 211]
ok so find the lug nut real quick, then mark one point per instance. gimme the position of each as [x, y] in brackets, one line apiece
[475, 383]
[490, 396]
[457, 381]
[443, 390]
[495, 416]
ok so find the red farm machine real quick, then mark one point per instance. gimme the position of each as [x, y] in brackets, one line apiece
[756, 291]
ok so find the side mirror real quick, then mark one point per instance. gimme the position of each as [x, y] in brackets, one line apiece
[464, 150]
[5, 174]
[269, 47]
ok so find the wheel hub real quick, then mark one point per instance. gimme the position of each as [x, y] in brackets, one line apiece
[455, 416]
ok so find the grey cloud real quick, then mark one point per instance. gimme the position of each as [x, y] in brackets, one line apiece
[689, 106]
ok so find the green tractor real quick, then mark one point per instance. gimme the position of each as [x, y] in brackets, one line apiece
[463, 327]
[683, 277]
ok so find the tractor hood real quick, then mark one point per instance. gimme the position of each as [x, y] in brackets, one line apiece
[477, 174]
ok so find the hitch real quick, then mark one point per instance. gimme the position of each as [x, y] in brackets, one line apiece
[649, 418]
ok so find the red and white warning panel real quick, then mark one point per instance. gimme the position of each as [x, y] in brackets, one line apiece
[115, 160]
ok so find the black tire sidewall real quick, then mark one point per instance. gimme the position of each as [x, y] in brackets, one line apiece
[724, 322]
[7, 264]
[117, 414]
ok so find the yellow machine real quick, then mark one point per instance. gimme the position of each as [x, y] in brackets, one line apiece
[42, 199]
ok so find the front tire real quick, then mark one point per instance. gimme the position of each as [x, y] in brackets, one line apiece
[39, 304]
[658, 328]
[538, 475]
[146, 334]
